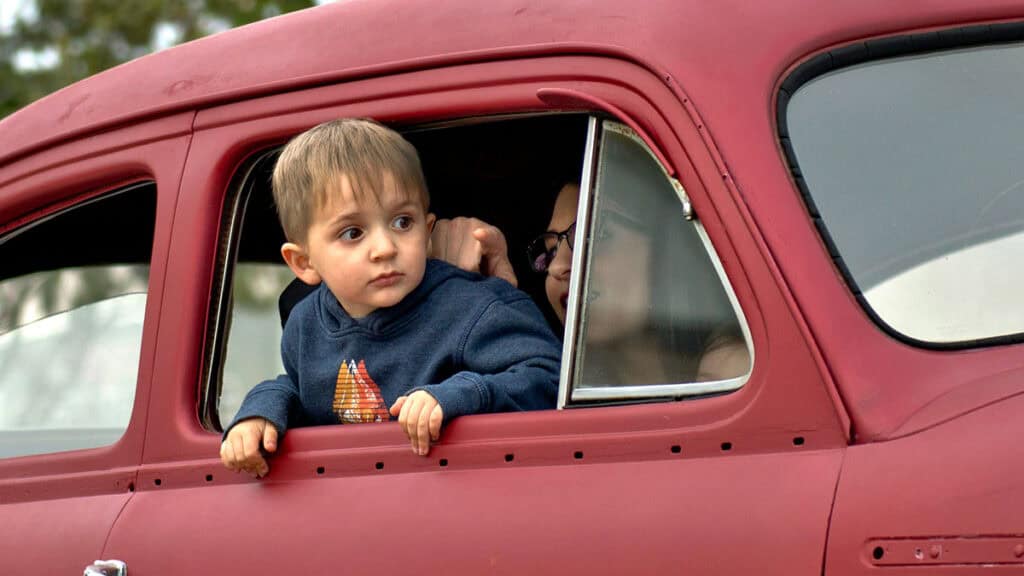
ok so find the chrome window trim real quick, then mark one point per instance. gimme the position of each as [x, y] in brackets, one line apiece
[576, 283]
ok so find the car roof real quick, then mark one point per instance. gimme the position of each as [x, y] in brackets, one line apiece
[729, 46]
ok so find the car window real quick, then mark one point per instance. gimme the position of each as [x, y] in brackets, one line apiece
[254, 344]
[74, 291]
[914, 165]
[659, 318]
[506, 172]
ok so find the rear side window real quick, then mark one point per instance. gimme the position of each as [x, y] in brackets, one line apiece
[73, 287]
[915, 166]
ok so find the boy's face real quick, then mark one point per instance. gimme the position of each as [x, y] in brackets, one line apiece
[372, 253]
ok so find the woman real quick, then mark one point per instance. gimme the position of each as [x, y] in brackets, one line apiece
[628, 340]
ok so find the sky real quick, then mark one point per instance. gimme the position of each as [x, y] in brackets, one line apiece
[8, 8]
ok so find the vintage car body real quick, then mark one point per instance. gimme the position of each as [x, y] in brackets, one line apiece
[849, 448]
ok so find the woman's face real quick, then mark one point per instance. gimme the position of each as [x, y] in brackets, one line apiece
[618, 301]
[556, 285]
[622, 261]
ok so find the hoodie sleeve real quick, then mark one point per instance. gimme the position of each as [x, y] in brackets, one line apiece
[275, 399]
[510, 361]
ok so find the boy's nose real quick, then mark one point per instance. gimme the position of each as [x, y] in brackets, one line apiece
[382, 246]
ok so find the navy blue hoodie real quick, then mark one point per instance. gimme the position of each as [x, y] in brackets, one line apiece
[475, 344]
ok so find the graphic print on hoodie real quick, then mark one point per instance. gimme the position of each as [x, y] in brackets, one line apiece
[357, 398]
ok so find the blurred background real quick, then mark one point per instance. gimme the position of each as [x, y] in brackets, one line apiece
[48, 44]
[71, 330]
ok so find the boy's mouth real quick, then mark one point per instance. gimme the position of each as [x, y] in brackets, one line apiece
[386, 279]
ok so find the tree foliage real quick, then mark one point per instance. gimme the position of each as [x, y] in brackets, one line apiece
[88, 36]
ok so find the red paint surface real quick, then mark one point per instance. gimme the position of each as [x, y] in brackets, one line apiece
[957, 485]
[934, 452]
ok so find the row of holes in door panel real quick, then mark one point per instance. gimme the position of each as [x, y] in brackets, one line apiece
[443, 462]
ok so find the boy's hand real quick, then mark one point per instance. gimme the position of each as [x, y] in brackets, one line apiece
[474, 246]
[240, 451]
[420, 417]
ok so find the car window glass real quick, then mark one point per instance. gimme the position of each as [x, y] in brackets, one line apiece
[254, 344]
[914, 166]
[656, 313]
[74, 292]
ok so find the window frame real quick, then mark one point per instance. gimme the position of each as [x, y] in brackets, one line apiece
[91, 199]
[220, 306]
[570, 393]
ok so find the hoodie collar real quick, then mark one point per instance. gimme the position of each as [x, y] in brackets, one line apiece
[336, 320]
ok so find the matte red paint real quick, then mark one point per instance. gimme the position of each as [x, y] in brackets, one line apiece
[933, 433]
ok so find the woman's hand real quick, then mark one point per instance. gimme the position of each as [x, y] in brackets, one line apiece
[474, 246]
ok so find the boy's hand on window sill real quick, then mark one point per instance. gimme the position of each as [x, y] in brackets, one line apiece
[240, 451]
[420, 417]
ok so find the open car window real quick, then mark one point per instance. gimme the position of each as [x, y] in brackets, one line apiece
[74, 290]
[648, 267]
[505, 171]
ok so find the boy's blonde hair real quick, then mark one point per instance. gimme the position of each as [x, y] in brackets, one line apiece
[312, 162]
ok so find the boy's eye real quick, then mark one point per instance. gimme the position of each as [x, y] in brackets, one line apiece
[350, 234]
[402, 223]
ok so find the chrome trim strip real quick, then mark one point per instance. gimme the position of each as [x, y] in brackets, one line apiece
[576, 283]
[658, 390]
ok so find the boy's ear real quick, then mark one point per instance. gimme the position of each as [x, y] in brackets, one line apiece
[431, 220]
[297, 259]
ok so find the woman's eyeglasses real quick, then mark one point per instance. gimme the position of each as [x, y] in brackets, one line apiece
[542, 250]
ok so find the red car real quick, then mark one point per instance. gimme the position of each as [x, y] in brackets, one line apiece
[836, 186]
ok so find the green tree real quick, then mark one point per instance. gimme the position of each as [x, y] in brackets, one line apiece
[88, 36]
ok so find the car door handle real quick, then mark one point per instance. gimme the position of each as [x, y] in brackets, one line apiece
[106, 568]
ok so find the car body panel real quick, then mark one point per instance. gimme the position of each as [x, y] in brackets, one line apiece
[759, 422]
[502, 518]
[844, 439]
[965, 519]
[74, 497]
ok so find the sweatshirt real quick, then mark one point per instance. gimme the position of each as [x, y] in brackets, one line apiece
[475, 344]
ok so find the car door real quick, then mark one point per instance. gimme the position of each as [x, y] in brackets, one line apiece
[931, 355]
[629, 478]
[83, 232]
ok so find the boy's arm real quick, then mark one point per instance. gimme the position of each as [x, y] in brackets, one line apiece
[254, 431]
[271, 400]
[263, 415]
[276, 399]
[511, 360]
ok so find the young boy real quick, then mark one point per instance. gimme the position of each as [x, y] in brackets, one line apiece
[388, 333]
